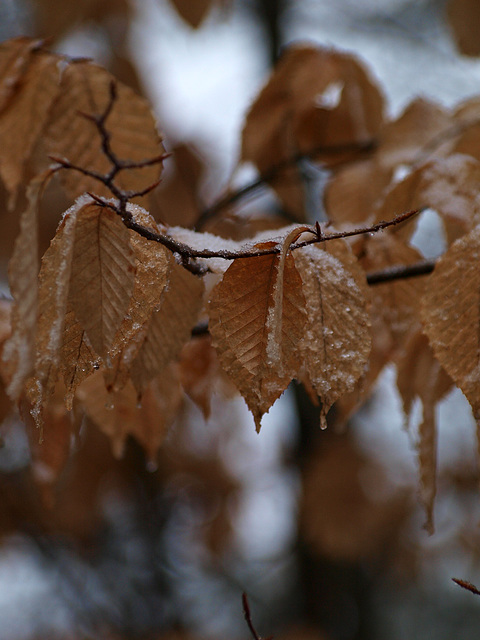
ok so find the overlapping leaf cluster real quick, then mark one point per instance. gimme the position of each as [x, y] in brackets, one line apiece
[103, 316]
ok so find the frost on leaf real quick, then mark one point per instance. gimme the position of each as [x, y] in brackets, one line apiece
[256, 322]
[451, 315]
[336, 342]
[53, 292]
[23, 118]
[85, 89]
[169, 326]
[315, 98]
[420, 375]
[18, 354]
[118, 414]
[102, 275]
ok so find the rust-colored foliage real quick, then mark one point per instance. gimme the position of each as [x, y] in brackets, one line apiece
[104, 319]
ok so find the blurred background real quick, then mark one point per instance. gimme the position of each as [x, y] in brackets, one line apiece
[322, 530]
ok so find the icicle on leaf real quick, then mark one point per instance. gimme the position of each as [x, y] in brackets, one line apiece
[337, 341]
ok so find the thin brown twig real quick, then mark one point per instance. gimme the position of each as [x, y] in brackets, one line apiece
[274, 172]
[401, 272]
[248, 619]
[467, 585]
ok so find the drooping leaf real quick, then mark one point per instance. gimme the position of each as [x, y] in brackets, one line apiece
[85, 88]
[24, 117]
[119, 415]
[53, 294]
[420, 375]
[337, 342]
[451, 315]
[256, 321]
[19, 351]
[169, 326]
[200, 372]
[102, 275]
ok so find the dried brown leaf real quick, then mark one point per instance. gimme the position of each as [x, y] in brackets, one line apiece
[314, 98]
[24, 118]
[448, 185]
[337, 342]
[398, 302]
[464, 17]
[79, 360]
[419, 374]
[119, 415]
[193, 11]
[85, 88]
[257, 317]
[19, 351]
[15, 54]
[102, 274]
[177, 198]
[169, 326]
[200, 372]
[53, 294]
[451, 315]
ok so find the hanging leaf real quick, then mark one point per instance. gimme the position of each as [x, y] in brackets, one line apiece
[103, 274]
[18, 353]
[336, 342]
[451, 314]
[24, 117]
[257, 317]
[53, 292]
[169, 327]
[193, 11]
[419, 374]
[119, 415]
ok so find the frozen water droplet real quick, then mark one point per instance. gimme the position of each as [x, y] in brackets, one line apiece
[109, 406]
[323, 421]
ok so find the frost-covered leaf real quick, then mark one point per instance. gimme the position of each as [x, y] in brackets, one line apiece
[103, 274]
[118, 414]
[451, 315]
[53, 293]
[336, 342]
[23, 118]
[85, 88]
[256, 321]
[19, 351]
[169, 327]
